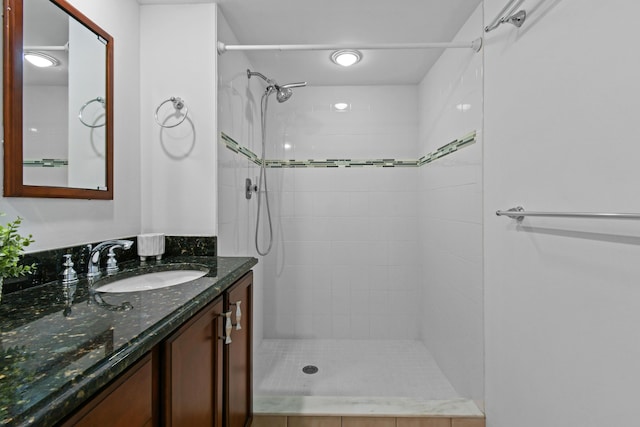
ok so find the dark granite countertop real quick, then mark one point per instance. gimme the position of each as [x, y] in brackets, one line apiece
[59, 345]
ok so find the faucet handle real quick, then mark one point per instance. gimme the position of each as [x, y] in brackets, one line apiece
[112, 263]
[69, 275]
[93, 269]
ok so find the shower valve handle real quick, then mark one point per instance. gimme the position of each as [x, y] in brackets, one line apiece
[250, 188]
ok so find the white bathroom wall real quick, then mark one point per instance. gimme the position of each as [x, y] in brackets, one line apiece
[344, 262]
[451, 303]
[238, 117]
[178, 59]
[56, 222]
[562, 295]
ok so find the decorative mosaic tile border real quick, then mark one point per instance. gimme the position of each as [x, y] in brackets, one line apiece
[46, 163]
[446, 149]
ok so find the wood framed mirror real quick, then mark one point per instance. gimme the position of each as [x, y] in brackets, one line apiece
[58, 120]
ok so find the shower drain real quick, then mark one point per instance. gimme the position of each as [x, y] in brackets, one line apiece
[310, 369]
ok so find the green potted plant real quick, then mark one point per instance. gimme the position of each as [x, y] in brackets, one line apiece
[12, 246]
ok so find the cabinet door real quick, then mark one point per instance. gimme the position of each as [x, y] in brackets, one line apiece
[128, 402]
[193, 371]
[238, 355]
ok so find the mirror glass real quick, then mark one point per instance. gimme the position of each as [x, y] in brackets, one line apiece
[58, 120]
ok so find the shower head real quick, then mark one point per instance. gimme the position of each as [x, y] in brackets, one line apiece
[285, 92]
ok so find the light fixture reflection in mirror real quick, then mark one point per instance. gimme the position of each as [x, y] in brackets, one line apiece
[64, 158]
[41, 60]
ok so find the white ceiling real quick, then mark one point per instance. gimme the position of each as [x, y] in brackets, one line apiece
[342, 22]
[346, 22]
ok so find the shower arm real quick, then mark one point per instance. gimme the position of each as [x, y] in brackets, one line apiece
[262, 76]
[273, 84]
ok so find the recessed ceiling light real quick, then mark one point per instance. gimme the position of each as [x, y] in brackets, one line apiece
[346, 57]
[40, 59]
[341, 106]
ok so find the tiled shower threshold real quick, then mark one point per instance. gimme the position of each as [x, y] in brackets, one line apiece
[363, 406]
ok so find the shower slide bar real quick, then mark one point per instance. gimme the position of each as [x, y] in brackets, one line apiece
[475, 45]
[510, 14]
[518, 213]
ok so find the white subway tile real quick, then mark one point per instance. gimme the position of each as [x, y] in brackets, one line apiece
[303, 326]
[360, 326]
[341, 326]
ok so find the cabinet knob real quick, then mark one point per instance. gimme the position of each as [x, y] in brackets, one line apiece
[238, 314]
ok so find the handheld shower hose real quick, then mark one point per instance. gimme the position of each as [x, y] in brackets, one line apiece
[283, 93]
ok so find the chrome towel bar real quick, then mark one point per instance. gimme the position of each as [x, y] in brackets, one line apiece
[518, 213]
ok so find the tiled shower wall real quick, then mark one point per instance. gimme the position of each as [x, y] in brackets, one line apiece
[451, 240]
[344, 262]
[347, 259]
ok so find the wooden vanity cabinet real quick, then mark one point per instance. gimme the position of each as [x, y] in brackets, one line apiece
[238, 355]
[193, 378]
[206, 381]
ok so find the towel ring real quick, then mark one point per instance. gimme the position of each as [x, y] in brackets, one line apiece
[178, 104]
[98, 99]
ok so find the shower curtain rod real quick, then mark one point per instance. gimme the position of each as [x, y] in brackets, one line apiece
[475, 45]
[48, 48]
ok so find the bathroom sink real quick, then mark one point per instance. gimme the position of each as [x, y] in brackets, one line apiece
[151, 280]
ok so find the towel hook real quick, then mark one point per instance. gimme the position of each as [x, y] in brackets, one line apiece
[98, 99]
[178, 104]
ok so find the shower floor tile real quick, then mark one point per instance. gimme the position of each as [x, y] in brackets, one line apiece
[383, 368]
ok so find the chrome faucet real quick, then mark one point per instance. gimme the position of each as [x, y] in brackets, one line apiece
[93, 269]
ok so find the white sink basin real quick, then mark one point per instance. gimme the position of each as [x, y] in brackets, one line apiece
[153, 280]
